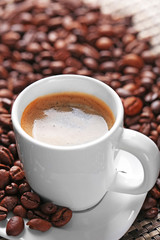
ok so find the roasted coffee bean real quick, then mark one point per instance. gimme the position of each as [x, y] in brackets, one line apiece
[3, 213]
[24, 187]
[4, 140]
[9, 202]
[13, 149]
[31, 214]
[151, 213]
[5, 120]
[11, 189]
[6, 156]
[16, 173]
[158, 183]
[48, 208]
[61, 217]
[155, 106]
[11, 137]
[2, 166]
[4, 178]
[15, 226]
[155, 192]
[18, 163]
[104, 43]
[149, 203]
[30, 200]
[39, 224]
[20, 211]
[133, 60]
[132, 106]
[2, 194]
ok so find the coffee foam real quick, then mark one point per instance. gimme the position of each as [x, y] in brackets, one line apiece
[69, 127]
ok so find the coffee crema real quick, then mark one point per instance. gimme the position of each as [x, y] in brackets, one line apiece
[67, 118]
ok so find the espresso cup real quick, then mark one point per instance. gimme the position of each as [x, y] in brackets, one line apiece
[79, 176]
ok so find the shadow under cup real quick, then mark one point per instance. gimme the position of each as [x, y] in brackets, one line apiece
[73, 176]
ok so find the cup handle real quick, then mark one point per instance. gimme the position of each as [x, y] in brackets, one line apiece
[148, 154]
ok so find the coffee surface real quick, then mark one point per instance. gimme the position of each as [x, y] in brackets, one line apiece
[67, 119]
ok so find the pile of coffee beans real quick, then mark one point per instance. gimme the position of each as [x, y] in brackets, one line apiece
[44, 38]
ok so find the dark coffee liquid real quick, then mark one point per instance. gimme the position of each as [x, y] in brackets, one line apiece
[67, 119]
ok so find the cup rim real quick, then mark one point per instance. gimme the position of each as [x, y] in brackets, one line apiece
[18, 128]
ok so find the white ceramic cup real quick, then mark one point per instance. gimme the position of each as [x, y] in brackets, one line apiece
[79, 176]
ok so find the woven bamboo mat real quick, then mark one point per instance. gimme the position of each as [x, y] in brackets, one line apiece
[144, 229]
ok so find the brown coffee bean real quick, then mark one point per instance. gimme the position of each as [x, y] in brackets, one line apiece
[151, 96]
[24, 187]
[4, 178]
[18, 163]
[155, 106]
[34, 47]
[16, 173]
[132, 106]
[11, 189]
[3, 213]
[30, 200]
[158, 183]
[15, 226]
[104, 43]
[20, 211]
[5, 120]
[57, 66]
[145, 128]
[90, 63]
[9, 202]
[155, 192]
[2, 194]
[31, 214]
[13, 150]
[4, 140]
[48, 208]
[149, 203]
[2, 166]
[147, 82]
[6, 93]
[133, 60]
[151, 213]
[11, 136]
[122, 92]
[39, 224]
[61, 217]
[10, 38]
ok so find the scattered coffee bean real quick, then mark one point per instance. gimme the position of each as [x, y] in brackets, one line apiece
[151, 213]
[39, 224]
[149, 203]
[3, 213]
[30, 200]
[48, 208]
[9, 202]
[61, 216]
[4, 178]
[132, 105]
[15, 226]
[11, 189]
[16, 173]
[20, 211]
